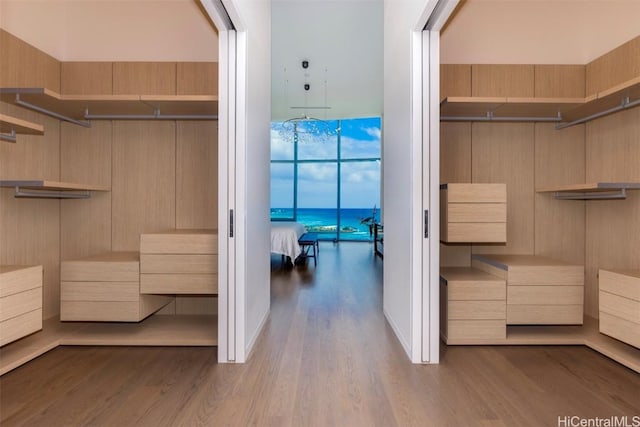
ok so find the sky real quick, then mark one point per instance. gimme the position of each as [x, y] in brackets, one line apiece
[317, 182]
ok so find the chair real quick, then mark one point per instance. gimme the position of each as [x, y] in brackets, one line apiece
[310, 247]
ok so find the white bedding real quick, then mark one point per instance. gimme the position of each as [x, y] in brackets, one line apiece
[284, 238]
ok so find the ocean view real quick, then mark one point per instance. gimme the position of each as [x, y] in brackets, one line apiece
[325, 222]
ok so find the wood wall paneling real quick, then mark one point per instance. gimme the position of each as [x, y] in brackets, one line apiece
[30, 228]
[196, 305]
[455, 80]
[197, 78]
[612, 227]
[23, 65]
[559, 225]
[455, 166]
[197, 174]
[86, 78]
[502, 80]
[615, 67]
[552, 81]
[85, 226]
[144, 78]
[504, 153]
[143, 183]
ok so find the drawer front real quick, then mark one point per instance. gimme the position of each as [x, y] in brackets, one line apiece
[545, 295]
[544, 314]
[620, 329]
[569, 275]
[99, 291]
[179, 264]
[20, 280]
[199, 284]
[20, 326]
[99, 271]
[476, 193]
[476, 291]
[619, 284]
[17, 304]
[100, 311]
[476, 329]
[469, 310]
[170, 243]
[489, 232]
[477, 212]
[618, 306]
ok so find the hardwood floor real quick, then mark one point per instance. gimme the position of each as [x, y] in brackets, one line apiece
[326, 358]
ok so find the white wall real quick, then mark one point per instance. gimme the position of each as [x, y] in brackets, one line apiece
[343, 43]
[538, 31]
[254, 16]
[400, 19]
[107, 30]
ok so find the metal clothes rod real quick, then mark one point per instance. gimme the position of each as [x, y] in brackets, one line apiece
[499, 119]
[625, 104]
[11, 137]
[156, 116]
[50, 113]
[621, 194]
[45, 194]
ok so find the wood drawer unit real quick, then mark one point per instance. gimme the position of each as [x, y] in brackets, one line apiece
[180, 262]
[540, 291]
[20, 301]
[472, 305]
[620, 305]
[473, 213]
[105, 288]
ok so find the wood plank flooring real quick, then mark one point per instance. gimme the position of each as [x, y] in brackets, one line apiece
[326, 358]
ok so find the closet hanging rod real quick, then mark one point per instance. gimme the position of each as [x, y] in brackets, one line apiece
[10, 137]
[491, 118]
[156, 116]
[620, 194]
[624, 105]
[44, 194]
[53, 114]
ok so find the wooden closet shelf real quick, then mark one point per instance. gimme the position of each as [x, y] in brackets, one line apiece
[592, 191]
[8, 124]
[51, 185]
[80, 108]
[564, 111]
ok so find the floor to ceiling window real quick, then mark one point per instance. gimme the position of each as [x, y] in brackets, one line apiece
[326, 175]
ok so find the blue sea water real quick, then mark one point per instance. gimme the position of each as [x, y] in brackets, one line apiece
[325, 222]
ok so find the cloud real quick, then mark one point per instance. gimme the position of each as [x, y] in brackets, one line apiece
[374, 132]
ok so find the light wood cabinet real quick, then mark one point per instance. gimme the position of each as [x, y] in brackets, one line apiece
[105, 288]
[20, 301]
[179, 262]
[540, 291]
[473, 213]
[620, 305]
[472, 305]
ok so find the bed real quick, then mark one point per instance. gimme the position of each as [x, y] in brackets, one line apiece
[284, 238]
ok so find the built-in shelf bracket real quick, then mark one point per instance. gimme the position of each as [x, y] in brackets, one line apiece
[50, 113]
[490, 117]
[601, 195]
[626, 103]
[11, 137]
[47, 194]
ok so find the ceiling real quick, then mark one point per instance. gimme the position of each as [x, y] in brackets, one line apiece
[537, 31]
[343, 42]
[113, 30]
